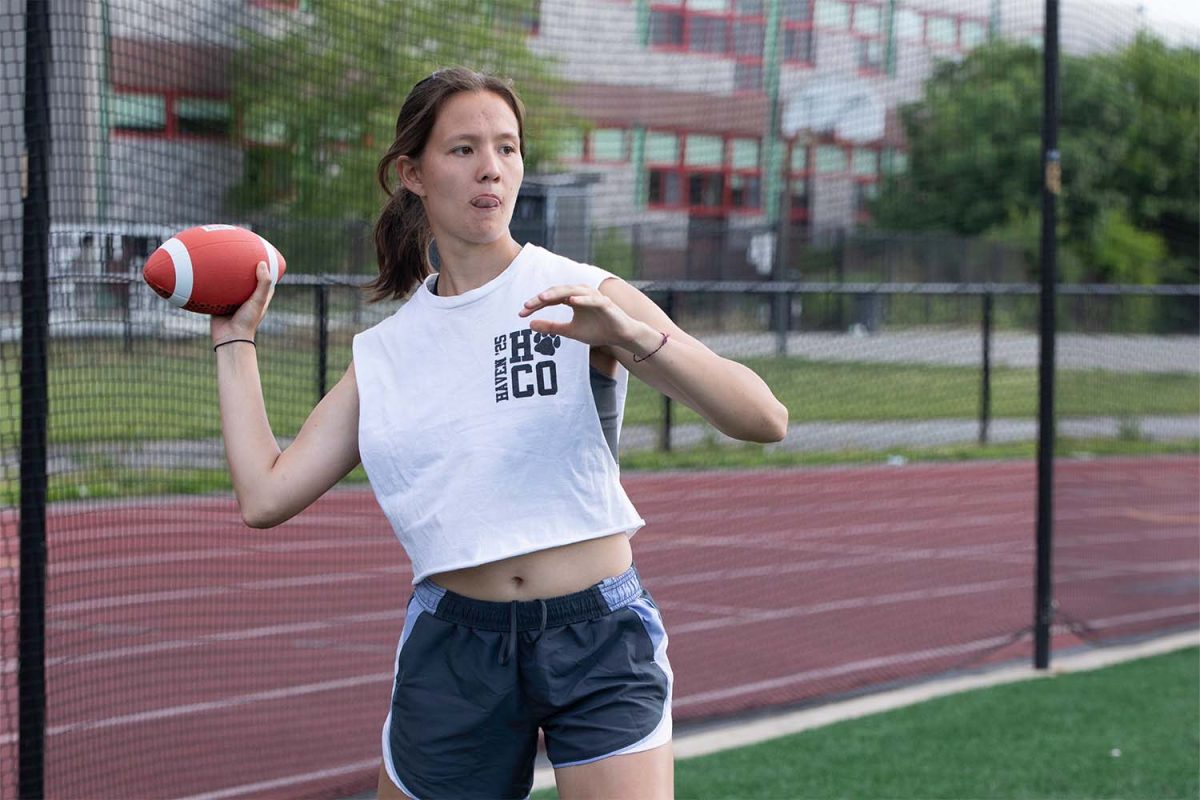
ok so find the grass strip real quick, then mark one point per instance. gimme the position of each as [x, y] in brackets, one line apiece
[111, 481]
[169, 389]
[1127, 731]
[825, 391]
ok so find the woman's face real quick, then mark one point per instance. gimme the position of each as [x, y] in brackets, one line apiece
[470, 170]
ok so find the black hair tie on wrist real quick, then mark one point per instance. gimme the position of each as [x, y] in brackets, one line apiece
[231, 341]
[655, 350]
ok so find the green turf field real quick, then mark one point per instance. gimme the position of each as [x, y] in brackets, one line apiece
[1130, 731]
[169, 391]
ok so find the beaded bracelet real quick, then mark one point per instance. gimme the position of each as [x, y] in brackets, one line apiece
[655, 350]
[231, 341]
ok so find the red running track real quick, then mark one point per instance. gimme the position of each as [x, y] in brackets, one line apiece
[192, 657]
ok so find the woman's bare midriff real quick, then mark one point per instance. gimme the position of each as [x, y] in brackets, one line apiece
[546, 573]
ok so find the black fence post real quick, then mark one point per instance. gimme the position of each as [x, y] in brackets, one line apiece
[985, 388]
[322, 298]
[664, 433]
[1051, 182]
[35, 330]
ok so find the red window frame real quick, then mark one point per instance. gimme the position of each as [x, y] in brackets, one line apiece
[590, 157]
[726, 171]
[800, 27]
[959, 19]
[586, 156]
[864, 39]
[730, 18]
[171, 129]
[276, 5]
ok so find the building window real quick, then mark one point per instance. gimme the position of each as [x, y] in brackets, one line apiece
[703, 174]
[169, 115]
[971, 34]
[664, 189]
[941, 31]
[868, 19]
[892, 161]
[870, 55]
[138, 113]
[666, 28]
[799, 172]
[702, 150]
[662, 148]
[198, 116]
[868, 26]
[721, 28]
[909, 25]
[831, 159]
[798, 32]
[862, 19]
[608, 144]
[833, 14]
[865, 162]
[601, 145]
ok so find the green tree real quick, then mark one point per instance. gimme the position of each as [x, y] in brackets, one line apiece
[1128, 139]
[318, 96]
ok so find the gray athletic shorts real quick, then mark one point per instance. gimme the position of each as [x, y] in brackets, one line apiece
[475, 680]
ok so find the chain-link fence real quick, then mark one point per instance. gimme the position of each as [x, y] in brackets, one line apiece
[841, 194]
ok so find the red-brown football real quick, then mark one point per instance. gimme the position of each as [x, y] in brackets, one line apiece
[209, 269]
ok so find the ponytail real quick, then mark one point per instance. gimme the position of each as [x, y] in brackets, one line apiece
[402, 241]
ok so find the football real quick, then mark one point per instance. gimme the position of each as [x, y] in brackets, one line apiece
[209, 269]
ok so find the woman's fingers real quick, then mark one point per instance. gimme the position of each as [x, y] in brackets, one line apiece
[548, 326]
[555, 295]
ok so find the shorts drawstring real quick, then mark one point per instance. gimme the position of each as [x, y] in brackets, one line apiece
[542, 627]
[509, 648]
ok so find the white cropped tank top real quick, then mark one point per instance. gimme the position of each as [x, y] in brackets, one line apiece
[481, 437]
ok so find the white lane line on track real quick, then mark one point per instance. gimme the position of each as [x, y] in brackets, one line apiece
[788, 538]
[905, 658]
[291, 780]
[841, 669]
[904, 506]
[866, 601]
[797, 532]
[393, 615]
[63, 534]
[381, 678]
[1124, 568]
[917, 595]
[268, 584]
[396, 615]
[211, 553]
[988, 551]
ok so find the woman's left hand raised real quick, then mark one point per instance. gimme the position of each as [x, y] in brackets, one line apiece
[597, 321]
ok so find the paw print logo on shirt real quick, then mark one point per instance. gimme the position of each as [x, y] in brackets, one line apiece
[546, 343]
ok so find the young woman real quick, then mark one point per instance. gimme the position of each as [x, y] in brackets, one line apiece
[485, 412]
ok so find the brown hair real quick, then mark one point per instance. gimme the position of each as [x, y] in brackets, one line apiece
[402, 234]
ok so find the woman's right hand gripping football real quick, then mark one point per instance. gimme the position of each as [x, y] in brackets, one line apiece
[243, 323]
